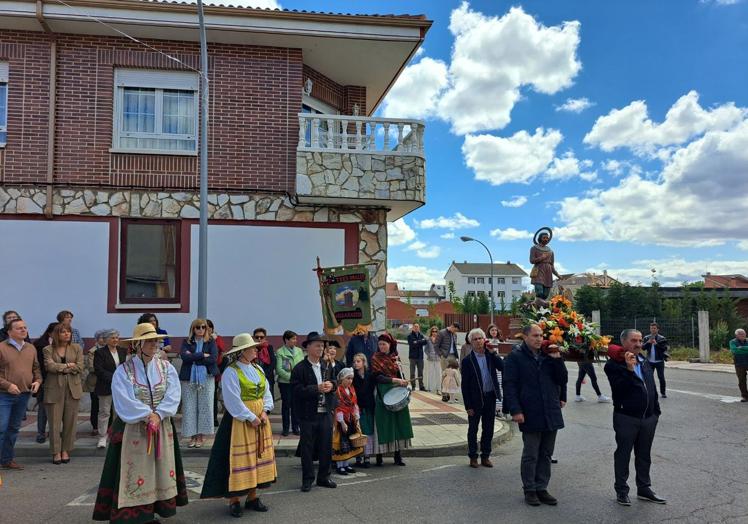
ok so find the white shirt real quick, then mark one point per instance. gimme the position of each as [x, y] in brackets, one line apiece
[129, 408]
[115, 356]
[232, 392]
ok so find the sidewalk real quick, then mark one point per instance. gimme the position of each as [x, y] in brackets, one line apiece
[700, 366]
[439, 429]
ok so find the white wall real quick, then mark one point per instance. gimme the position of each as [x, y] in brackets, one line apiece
[257, 275]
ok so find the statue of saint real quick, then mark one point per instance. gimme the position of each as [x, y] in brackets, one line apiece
[542, 260]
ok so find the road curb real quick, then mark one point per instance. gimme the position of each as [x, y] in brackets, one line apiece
[503, 433]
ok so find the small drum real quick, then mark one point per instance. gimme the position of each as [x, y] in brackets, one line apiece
[397, 398]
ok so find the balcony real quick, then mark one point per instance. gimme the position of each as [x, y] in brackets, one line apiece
[361, 161]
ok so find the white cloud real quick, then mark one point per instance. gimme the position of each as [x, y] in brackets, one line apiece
[511, 233]
[698, 199]
[416, 92]
[630, 127]
[673, 271]
[262, 4]
[447, 236]
[458, 221]
[415, 277]
[493, 58]
[518, 158]
[429, 252]
[568, 166]
[416, 245]
[721, 2]
[575, 105]
[743, 245]
[399, 233]
[517, 201]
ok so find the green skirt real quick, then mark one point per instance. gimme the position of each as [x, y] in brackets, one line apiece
[106, 498]
[391, 425]
[367, 422]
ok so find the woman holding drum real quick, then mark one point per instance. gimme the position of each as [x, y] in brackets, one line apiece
[392, 421]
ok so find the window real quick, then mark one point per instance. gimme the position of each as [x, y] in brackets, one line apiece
[471, 280]
[481, 293]
[149, 262]
[155, 111]
[471, 293]
[481, 280]
[500, 280]
[488, 280]
[500, 294]
[516, 280]
[3, 104]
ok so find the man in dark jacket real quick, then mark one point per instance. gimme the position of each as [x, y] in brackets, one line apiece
[416, 342]
[364, 342]
[636, 411]
[446, 343]
[314, 402]
[656, 347]
[480, 391]
[534, 393]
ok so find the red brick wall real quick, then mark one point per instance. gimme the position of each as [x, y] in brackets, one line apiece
[340, 97]
[255, 97]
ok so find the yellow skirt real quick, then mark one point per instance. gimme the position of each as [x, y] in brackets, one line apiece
[251, 456]
[339, 452]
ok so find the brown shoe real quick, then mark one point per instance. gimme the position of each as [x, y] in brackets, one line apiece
[473, 463]
[486, 462]
[12, 465]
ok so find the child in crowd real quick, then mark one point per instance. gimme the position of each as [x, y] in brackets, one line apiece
[364, 385]
[451, 380]
[346, 423]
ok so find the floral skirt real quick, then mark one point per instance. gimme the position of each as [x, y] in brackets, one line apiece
[342, 449]
[107, 508]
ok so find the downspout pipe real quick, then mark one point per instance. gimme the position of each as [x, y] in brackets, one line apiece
[48, 207]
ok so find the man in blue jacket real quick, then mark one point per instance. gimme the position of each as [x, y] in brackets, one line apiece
[362, 341]
[534, 393]
[636, 411]
[480, 390]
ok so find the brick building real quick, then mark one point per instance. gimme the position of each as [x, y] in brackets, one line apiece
[99, 141]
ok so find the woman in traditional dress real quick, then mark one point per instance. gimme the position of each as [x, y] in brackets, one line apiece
[432, 369]
[346, 423]
[242, 458]
[394, 428]
[364, 385]
[143, 475]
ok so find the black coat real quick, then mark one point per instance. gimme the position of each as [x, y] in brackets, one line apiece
[364, 387]
[104, 369]
[305, 392]
[658, 344]
[416, 343]
[535, 388]
[633, 396]
[472, 381]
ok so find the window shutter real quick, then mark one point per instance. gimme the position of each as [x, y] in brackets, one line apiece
[182, 80]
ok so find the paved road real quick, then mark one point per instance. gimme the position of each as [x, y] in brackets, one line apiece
[700, 466]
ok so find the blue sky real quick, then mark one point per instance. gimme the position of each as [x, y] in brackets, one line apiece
[621, 124]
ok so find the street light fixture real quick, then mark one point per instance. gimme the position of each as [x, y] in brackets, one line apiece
[490, 257]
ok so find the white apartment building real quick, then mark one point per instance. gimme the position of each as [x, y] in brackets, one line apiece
[510, 280]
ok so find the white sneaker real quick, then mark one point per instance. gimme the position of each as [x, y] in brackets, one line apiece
[579, 398]
[603, 399]
[102, 443]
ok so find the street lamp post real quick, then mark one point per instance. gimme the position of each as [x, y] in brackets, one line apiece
[202, 264]
[490, 257]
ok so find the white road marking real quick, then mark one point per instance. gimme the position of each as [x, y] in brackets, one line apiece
[438, 468]
[722, 398]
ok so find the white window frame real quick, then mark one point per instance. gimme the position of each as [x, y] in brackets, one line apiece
[471, 280]
[318, 105]
[160, 81]
[500, 294]
[500, 280]
[517, 281]
[4, 80]
[480, 280]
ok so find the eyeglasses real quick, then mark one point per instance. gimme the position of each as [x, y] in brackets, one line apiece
[201, 327]
[259, 337]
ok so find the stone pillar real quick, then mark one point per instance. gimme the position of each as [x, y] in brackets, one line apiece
[596, 320]
[704, 336]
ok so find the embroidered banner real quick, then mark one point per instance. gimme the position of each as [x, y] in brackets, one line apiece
[346, 299]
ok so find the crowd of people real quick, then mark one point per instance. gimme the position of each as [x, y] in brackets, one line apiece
[337, 409]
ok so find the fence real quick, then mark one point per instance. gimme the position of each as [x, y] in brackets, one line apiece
[469, 321]
[678, 331]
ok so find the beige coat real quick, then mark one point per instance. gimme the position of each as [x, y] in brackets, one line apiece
[60, 376]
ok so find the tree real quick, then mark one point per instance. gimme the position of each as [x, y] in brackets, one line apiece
[483, 304]
[588, 299]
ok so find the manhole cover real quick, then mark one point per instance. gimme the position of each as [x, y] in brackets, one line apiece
[445, 418]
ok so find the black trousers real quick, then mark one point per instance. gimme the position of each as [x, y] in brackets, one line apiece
[486, 417]
[94, 411]
[316, 436]
[416, 370]
[535, 467]
[660, 368]
[587, 368]
[288, 415]
[637, 434]
[741, 372]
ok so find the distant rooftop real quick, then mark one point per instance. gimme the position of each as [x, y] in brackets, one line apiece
[470, 268]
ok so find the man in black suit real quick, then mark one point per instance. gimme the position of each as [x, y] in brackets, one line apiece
[106, 360]
[636, 412]
[480, 390]
[314, 401]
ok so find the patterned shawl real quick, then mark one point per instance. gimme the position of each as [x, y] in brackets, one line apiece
[347, 403]
[384, 364]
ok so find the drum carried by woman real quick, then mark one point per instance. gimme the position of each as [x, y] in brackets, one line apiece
[393, 428]
[242, 458]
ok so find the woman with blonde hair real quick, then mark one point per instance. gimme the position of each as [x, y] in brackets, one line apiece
[432, 368]
[199, 355]
[364, 385]
[143, 475]
[63, 361]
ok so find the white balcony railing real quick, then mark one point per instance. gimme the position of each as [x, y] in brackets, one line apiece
[357, 134]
